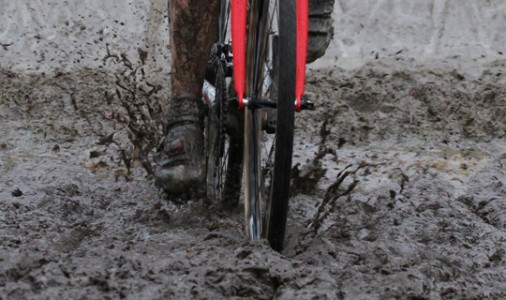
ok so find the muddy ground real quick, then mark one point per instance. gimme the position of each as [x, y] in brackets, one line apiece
[80, 217]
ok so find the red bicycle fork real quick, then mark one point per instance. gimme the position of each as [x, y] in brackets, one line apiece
[239, 9]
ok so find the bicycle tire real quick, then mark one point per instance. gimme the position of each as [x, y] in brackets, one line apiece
[280, 191]
[223, 152]
[215, 140]
[276, 208]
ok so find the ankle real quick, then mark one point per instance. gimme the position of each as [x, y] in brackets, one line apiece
[185, 109]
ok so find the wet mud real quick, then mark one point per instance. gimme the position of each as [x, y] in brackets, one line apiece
[424, 148]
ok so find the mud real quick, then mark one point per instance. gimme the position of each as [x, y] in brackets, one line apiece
[80, 217]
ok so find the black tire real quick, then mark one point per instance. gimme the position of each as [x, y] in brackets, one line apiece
[223, 152]
[215, 137]
[280, 190]
[276, 207]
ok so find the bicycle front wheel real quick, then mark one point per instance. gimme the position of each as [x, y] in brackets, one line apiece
[268, 161]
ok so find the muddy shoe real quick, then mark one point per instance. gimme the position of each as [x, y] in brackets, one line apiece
[180, 166]
[321, 29]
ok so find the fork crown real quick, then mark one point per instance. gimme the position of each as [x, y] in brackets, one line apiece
[239, 17]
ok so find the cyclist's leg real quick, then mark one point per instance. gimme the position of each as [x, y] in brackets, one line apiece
[193, 25]
[193, 30]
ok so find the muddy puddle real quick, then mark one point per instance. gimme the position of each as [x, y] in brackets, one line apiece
[424, 148]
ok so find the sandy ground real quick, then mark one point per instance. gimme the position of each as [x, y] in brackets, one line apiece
[80, 218]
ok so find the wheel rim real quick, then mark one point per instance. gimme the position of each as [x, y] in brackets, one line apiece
[261, 16]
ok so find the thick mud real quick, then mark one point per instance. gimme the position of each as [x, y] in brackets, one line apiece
[425, 148]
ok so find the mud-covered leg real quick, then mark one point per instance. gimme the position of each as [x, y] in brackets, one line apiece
[193, 29]
[180, 164]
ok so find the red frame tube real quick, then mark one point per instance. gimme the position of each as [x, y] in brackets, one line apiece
[239, 9]
[300, 67]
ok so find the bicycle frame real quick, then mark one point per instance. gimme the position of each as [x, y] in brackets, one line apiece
[239, 10]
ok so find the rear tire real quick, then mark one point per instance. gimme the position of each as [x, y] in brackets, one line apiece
[224, 151]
